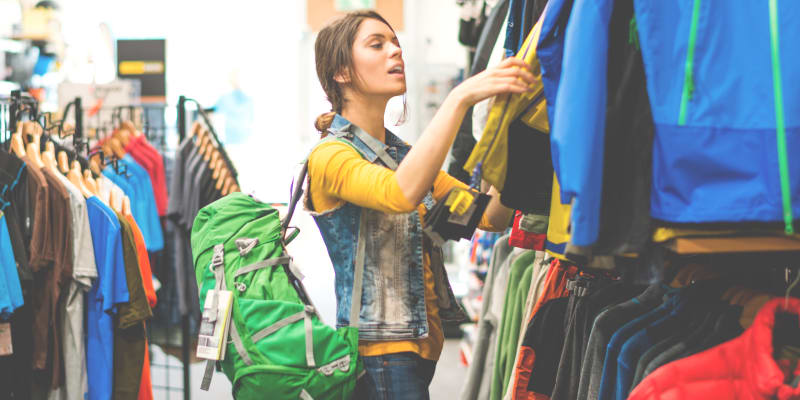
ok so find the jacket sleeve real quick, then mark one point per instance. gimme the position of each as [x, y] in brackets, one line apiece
[337, 172]
[578, 128]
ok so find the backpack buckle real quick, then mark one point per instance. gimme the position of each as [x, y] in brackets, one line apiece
[219, 257]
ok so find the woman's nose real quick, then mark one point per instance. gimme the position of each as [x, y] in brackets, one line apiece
[395, 50]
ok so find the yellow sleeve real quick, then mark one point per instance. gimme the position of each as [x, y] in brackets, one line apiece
[337, 173]
[444, 183]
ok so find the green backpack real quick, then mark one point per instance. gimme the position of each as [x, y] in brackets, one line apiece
[277, 346]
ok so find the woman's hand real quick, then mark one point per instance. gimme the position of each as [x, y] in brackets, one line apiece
[512, 75]
[417, 171]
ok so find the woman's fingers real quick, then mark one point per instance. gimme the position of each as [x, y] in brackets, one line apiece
[521, 73]
[509, 84]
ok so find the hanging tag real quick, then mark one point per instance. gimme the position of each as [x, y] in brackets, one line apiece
[213, 336]
[5, 339]
[459, 201]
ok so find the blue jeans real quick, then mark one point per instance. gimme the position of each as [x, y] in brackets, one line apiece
[397, 376]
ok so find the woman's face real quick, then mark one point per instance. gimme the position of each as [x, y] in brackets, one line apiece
[378, 61]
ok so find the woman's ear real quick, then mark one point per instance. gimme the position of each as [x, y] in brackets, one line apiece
[342, 77]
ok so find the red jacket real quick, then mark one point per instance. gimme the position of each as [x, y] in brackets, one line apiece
[742, 368]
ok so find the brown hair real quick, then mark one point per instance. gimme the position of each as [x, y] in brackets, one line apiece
[333, 53]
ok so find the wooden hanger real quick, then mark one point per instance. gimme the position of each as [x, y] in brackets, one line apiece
[693, 273]
[90, 183]
[74, 176]
[49, 157]
[32, 148]
[221, 178]
[235, 188]
[126, 206]
[111, 200]
[216, 165]
[196, 127]
[63, 162]
[117, 148]
[131, 128]
[17, 142]
[227, 187]
[123, 135]
[209, 150]
[94, 164]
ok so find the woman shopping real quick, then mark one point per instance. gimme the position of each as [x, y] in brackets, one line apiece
[368, 191]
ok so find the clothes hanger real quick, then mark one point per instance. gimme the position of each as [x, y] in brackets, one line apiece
[123, 135]
[214, 164]
[196, 127]
[235, 188]
[94, 164]
[74, 176]
[90, 183]
[32, 148]
[117, 148]
[17, 143]
[126, 206]
[226, 189]
[63, 162]
[221, 178]
[209, 150]
[129, 125]
[49, 156]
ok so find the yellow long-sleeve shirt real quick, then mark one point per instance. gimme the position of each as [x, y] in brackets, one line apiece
[338, 174]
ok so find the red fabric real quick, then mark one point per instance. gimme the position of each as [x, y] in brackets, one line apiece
[742, 368]
[150, 159]
[146, 387]
[524, 239]
[555, 287]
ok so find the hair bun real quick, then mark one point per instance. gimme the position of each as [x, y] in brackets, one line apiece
[324, 122]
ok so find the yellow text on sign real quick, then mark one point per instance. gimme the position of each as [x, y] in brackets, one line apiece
[141, 67]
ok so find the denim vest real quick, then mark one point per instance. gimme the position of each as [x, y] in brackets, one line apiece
[393, 291]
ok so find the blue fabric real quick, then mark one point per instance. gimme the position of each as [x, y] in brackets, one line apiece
[639, 343]
[721, 165]
[396, 376]
[514, 27]
[239, 112]
[10, 289]
[550, 51]
[577, 144]
[138, 187]
[614, 347]
[108, 290]
[396, 310]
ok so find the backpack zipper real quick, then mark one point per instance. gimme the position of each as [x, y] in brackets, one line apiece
[688, 74]
[783, 159]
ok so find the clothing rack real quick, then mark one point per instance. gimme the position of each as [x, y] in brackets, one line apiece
[182, 129]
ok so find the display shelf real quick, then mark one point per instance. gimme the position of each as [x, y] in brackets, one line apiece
[737, 244]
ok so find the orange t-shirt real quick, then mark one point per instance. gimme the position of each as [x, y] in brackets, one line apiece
[144, 262]
[146, 386]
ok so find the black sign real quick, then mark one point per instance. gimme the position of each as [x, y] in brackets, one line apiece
[144, 60]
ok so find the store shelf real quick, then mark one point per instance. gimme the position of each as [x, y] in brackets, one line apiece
[738, 244]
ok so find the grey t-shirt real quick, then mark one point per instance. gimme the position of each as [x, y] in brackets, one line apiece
[83, 271]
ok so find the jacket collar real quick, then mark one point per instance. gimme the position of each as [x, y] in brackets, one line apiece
[762, 368]
[341, 125]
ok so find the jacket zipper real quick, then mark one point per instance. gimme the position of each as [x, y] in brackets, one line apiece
[688, 74]
[783, 159]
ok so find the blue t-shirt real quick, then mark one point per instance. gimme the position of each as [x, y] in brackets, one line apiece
[10, 289]
[143, 201]
[109, 290]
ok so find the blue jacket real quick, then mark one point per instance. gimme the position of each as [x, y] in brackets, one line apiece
[710, 79]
